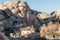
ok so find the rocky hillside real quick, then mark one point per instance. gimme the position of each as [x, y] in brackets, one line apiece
[19, 22]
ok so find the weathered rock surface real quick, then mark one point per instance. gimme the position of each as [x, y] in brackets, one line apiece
[19, 22]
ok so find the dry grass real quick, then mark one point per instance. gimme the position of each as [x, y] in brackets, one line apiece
[51, 29]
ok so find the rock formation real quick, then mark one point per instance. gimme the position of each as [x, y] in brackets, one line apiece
[19, 21]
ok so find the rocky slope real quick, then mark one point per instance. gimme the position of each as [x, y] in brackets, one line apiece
[19, 22]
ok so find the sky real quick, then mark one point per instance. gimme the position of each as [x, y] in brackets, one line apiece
[42, 5]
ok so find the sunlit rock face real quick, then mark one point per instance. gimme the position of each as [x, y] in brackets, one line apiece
[11, 5]
[16, 35]
[56, 13]
[23, 32]
[43, 15]
[26, 31]
[23, 9]
[22, 6]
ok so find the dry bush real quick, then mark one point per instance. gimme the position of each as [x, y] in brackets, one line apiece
[52, 29]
